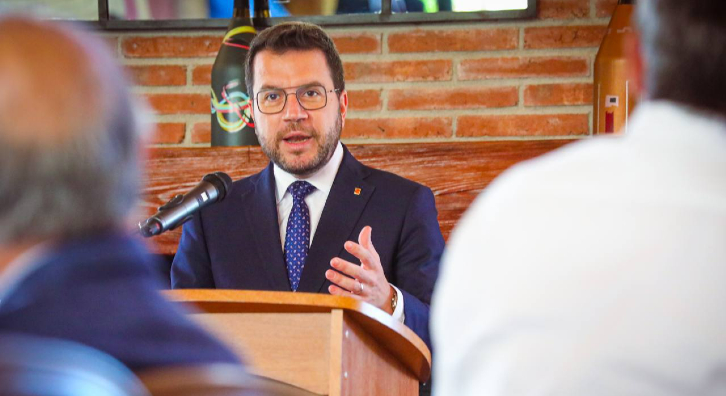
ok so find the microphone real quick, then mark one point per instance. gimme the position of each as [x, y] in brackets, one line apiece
[180, 209]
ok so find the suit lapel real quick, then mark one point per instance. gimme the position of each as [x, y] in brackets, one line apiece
[261, 216]
[344, 206]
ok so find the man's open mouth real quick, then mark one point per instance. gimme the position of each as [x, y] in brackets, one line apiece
[297, 138]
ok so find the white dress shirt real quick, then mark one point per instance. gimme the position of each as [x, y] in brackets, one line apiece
[322, 180]
[598, 269]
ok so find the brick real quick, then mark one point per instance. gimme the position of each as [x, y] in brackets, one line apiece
[563, 36]
[489, 68]
[558, 94]
[170, 46]
[393, 128]
[563, 9]
[158, 75]
[605, 8]
[202, 75]
[202, 132]
[357, 43]
[180, 103]
[168, 133]
[455, 98]
[424, 70]
[523, 125]
[365, 100]
[453, 40]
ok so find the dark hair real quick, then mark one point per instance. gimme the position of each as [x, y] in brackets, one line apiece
[684, 46]
[295, 36]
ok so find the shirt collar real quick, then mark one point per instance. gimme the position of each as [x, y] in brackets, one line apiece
[322, 179]
[667, 123]
[21, 267]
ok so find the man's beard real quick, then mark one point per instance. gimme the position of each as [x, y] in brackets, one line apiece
[325, 148]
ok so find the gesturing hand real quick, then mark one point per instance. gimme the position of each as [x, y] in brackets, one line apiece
[365, 282]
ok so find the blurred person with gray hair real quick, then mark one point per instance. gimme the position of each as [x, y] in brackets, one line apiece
[70, 139]
[599, 269]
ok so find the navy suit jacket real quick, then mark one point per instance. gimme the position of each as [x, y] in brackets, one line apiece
[235, 244]
[100, 291]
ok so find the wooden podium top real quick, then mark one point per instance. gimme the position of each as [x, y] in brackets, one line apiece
[401, 341]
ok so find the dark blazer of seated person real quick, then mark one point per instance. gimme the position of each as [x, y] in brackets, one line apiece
[235, 244]
[100, 291]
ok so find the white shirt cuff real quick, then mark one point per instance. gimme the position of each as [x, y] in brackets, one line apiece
[398, 312]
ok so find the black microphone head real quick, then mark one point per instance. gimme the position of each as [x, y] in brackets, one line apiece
[221, 181]
[149, 228]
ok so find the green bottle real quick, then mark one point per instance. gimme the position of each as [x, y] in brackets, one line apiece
[231, 106]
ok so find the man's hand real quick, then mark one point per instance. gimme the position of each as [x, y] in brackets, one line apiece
[365, 282]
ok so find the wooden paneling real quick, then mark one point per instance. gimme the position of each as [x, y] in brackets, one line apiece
[292, 348]
[368, 368]
[456, 172]
[328, 345]
[391, 334]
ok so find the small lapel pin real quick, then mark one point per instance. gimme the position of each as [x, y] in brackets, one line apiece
[356, 191]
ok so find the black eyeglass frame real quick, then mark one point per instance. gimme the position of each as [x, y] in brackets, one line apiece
[297, 91]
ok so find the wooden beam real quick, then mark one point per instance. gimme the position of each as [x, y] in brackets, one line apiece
[456, 172]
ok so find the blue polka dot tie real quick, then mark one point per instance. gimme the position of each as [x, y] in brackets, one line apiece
[297, 236]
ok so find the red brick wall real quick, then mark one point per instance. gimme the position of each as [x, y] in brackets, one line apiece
[446, 82]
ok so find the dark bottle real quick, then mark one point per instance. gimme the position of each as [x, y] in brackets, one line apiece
[232, 123]
[262, 12]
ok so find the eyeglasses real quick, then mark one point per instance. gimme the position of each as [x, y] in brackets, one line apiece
[310, 97]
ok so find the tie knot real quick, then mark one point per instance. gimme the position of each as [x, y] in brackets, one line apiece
[300, 189]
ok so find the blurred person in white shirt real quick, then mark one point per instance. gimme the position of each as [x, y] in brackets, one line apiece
[599, 269]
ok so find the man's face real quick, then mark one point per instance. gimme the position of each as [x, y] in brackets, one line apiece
[299, 141]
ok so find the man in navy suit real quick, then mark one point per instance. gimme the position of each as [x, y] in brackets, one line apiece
[293, 226]
[69, 143]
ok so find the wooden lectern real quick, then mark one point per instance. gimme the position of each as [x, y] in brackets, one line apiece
[327, 345]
